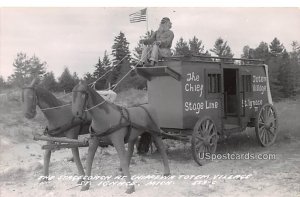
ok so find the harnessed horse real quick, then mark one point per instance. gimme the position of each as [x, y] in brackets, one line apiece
[61, 122]
[115, 125]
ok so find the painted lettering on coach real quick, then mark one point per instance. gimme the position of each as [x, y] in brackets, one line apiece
[259, 84]
[194, 90]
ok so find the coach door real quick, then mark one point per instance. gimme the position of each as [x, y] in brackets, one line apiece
[231, 92]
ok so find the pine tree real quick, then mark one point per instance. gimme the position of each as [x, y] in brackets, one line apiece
[49, 82]
[20, 70]
[26, 69]
[89, 78]
[66, 81]
[286, 76]
[196, 46]
[101, 68]
[121, 61]
[2, 83]
[36, 68]
[248, 53]
[182, 47]
[137, 53]
[276, 48]
[262, 51]
[222, 49]
[295, 63]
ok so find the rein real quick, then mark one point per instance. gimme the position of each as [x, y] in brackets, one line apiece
[86, 98]
[35, 100]
[128, 123]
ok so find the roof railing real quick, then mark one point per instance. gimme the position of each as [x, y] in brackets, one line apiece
[204, 58]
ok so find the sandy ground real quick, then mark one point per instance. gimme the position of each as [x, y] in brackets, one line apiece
[21, 161]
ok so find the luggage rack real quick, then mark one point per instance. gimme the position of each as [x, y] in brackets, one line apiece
[214, 59]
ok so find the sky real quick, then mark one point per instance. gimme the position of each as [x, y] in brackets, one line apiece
[76, 37]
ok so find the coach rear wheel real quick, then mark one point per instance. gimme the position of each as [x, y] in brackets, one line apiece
[204, 140]
[266, 125]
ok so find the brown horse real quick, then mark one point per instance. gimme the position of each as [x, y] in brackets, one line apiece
[61, 122]
[115, 125]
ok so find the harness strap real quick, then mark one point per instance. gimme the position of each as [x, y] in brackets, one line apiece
[154, 131]
[66, 127]
[108, 131]
[127, 124]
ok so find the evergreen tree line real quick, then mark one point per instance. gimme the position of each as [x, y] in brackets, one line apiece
[284, 66]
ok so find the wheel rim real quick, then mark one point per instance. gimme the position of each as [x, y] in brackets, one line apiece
[267, 125]
[204, 140]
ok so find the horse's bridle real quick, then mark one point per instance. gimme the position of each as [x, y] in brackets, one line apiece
[35, 98]
[84, 108]
[84, 92]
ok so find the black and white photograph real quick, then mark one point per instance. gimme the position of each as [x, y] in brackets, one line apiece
[150, 101]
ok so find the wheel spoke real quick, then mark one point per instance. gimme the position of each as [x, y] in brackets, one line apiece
[198, 144]
[201, 148]
[202, 127]
[271, 132]
[268, 139]
[210, 128]
[266, 136]
[261, 134]
[205, 149]
[206, 124]
[261, 118]
[199, 137]
[265, 114]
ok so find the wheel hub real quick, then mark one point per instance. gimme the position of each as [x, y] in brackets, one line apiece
[207, 140]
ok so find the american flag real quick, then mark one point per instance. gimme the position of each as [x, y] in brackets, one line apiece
[138, 16]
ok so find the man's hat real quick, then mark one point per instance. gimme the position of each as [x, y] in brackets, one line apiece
[164, 20]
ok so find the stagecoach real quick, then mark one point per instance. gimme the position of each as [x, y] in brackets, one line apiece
[204, 99]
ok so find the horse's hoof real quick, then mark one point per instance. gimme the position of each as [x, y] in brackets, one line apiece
[80, 181]
[85, 188]
[167, 174]
[43, 180]
[130, 189]
[85, 185]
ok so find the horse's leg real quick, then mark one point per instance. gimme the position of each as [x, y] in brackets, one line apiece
[130, 151]
[47, 156]
[79, 166]
[93, 145]
[120, 147]
[75, 153]
[161, 148]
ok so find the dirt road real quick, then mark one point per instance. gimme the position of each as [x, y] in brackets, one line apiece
[21, 165]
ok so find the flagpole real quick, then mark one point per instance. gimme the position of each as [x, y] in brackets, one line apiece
[147, 21]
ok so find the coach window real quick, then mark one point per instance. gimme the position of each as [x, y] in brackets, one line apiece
[247, 83]
[212, 83]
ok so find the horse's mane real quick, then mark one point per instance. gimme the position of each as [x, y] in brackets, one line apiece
[94, 96]
[48, 97]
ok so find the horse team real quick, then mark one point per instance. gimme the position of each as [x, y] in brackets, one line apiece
[107, 122]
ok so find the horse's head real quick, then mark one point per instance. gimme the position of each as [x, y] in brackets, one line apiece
[79, 99]
[29, 99]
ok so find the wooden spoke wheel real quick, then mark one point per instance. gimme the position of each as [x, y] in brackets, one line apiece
[204, 140]
[266, 125]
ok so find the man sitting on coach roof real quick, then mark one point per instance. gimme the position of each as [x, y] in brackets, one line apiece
[159, 44]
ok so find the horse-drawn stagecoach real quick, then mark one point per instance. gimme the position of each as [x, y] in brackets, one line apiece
[207, 98]
[196, 98]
